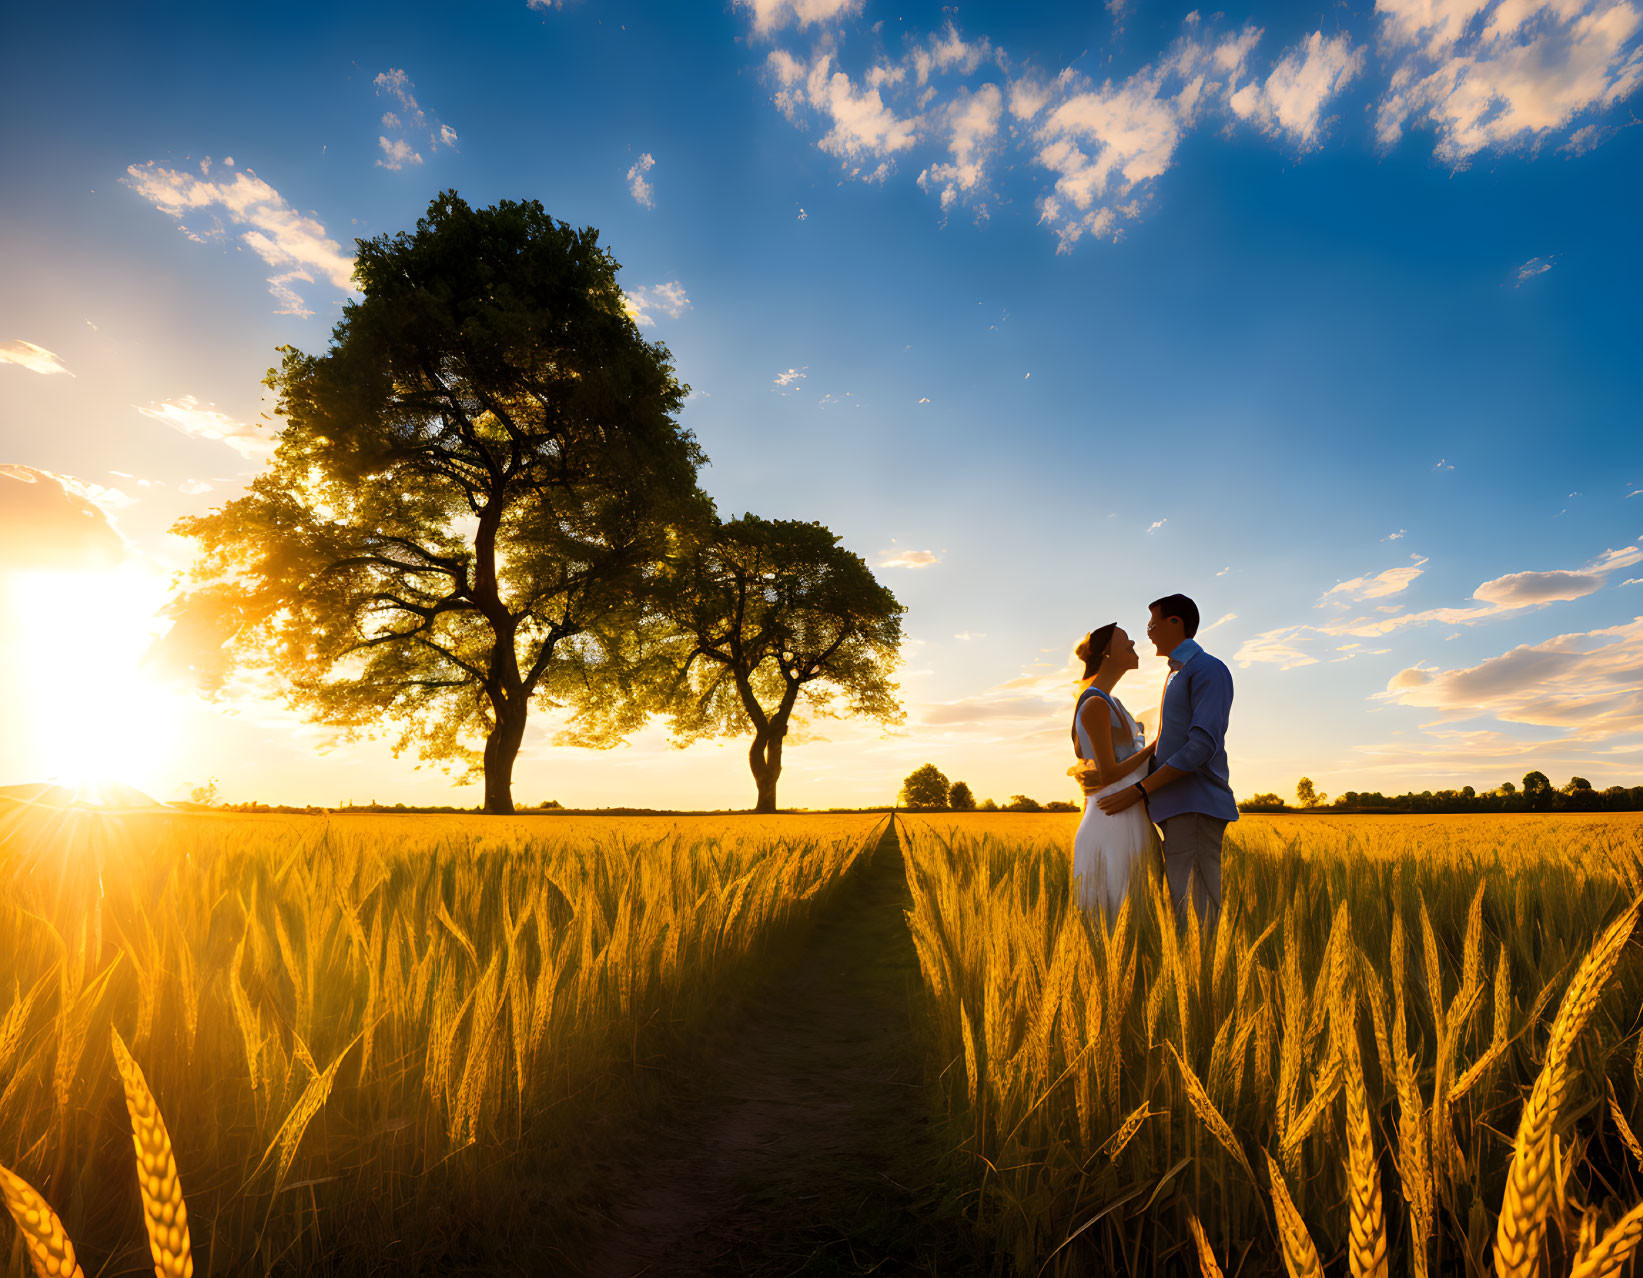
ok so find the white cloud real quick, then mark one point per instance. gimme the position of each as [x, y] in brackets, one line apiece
[863, 128]
[202, 421]
[968, 636]
[791, 377]
[772, 15]
[1294, 95]
[1392, 581]
[971, 122]
[638, 184]
[37, 359]
[1533, 267]
[1219, 621]
[1443, 463]
[924, 399]
[295, 244]
[670, 299]
[906, 559]
[1500, 73]
[396, 154]
[398, 151]
[1106, 144]
[1397, 536]
[1157, 524]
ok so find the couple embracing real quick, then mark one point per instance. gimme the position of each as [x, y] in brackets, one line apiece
[1178, 779]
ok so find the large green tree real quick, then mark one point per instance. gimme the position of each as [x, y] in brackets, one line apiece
[765, 611]
[470, 496]
[925, 787]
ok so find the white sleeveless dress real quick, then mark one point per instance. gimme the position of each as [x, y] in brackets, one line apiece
[1107, 847]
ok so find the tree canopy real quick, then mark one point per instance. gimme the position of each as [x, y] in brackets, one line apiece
[925, 787]
[469, 499]
[764, 611]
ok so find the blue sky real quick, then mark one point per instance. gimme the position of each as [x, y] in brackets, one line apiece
[1323, 315]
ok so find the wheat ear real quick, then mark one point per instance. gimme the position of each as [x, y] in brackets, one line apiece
[164, 1213]
[44, 1237]
[1206, 1258]
[1208, 1114]
[1300, 1256]
[1609, 1253]
[1368, 1216]
[1529, 1186]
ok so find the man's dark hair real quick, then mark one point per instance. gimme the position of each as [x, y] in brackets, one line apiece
[1179, 606]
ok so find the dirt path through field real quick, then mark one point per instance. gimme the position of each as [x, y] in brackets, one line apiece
[803, 1145]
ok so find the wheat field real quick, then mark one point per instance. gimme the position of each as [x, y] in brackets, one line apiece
[1412, 1047]
[357, 1029]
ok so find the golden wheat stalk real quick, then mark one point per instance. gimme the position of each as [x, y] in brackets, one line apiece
[1625, 1128]
[1206, 1258]
[1368, 1214]
[45, 1240]
[1529, 1180]
[164, 1212]
[1300, 1256]
[1604, 1257]
[1208, 1114]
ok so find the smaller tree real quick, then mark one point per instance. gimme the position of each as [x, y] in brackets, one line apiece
[988, 805]
[766, 611]
[1060, 805]
[925, 787]
[1021, 803]
[1308, 793]
[1508, 789]
[1536, 783]
[959, 798]
[1577, 783]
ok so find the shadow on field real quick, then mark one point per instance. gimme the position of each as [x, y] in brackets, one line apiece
[801, 1139]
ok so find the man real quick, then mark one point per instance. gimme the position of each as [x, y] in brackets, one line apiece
[1187, 791]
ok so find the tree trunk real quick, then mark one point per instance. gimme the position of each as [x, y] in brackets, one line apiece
[765, 758]
[501, 749]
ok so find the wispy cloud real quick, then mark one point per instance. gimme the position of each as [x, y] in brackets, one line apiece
[1291, 100]
[1510, 594]
[771, 15]
[1156, 525]
[669, 299]
[202, 421]
[1584, 683]
[37, 359]
[639, 186]
[1397, 536]
[1390, 582]
[53, 522]
[1533, 267]
[895, 558]
[294, 244]
[787, 382]
[410, 120]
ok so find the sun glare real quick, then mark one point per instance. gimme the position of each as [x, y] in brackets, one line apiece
[90, 716]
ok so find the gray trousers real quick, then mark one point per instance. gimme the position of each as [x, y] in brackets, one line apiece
[1192, 863]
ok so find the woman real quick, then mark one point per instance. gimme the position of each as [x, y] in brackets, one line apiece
[1112, 754]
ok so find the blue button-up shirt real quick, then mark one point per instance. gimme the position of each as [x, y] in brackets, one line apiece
[1193, 737]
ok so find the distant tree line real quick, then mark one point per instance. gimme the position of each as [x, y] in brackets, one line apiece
[927, 788]
[1534, 794]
